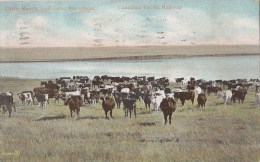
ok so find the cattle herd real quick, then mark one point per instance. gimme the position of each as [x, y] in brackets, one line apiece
[153, 93]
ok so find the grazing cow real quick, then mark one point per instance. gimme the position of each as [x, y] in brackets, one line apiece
[25, 97]
[185, 96]
[129, 106]
[239, 93]
[214, 89]
[225, 95]
[74, 102]
[168, 106]
[108, 104]
[257, 99]
[42, 100]
[7, 102]
[202, 98]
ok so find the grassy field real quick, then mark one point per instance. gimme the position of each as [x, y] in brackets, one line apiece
[217, 133]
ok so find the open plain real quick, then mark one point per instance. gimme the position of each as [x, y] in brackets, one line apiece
[216, 133]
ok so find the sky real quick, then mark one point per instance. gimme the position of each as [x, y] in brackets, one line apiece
[102, 23]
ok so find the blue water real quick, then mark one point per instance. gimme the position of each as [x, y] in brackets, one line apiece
[209, 68]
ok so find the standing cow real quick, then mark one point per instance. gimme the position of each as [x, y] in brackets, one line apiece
[6, 101]
[108, 104]
[168, 106]
[202, 98]
[225, 95]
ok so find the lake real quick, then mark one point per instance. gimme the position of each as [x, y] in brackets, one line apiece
[209, 68]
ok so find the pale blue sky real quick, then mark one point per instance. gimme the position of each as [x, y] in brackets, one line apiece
[198, 22]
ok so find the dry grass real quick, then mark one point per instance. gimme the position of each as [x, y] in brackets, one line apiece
[217, 133]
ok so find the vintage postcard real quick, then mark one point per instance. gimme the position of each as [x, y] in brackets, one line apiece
[130, 80]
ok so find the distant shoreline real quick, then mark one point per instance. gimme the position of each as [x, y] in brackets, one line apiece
[134, 58]
[8, 55]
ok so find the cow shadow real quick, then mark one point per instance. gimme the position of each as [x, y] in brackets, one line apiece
[88, 117]
[51, 118]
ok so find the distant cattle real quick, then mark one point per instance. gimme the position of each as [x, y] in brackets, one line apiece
[108, 105]
[202, 99]
[225, 95]
[74, 102]
[6, 102]
[168, 106]
[129, 106]
[239, 93]
[185, 96]
[25, 97]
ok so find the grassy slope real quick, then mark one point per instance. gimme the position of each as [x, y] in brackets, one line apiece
[217, 133]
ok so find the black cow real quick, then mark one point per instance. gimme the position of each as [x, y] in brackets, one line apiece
[129, 106]
[7, 102]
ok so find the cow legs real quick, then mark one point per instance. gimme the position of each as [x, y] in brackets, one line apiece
[135, 112]
[182, 102]
[130, 113]
[111, 114]
[192, 100]
[71, 112]
[170, 118]
[14, 107]
[106, 113]
[10, 111]
[165, 118]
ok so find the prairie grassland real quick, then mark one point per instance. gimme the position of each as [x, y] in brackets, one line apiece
[216, 133]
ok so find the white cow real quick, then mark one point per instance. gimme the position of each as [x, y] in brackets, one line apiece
[197, 91]
[156, 100]
[225, 95]
[74, 93]
[257, 99]
[125, 90]
[25, 97]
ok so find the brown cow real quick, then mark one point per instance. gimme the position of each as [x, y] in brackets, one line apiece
[185, 96]
[239, 93]
[168, 106]
[74, 103]
[108, 104]
[52, 93]
[202, 98]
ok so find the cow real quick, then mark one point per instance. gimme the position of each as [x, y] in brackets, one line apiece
[239, 93]
[42, 100]
[156, 100]
[74, 102]
[202, 99]
[52, 93]
[129, 106]
[214, 89]
[168, 106]
[257, 99]
[25, 97]
[118, 99]
[185, 96]
[73, 93]
[147, 100]
[7, 102]
[108, 104]
[225, 95]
